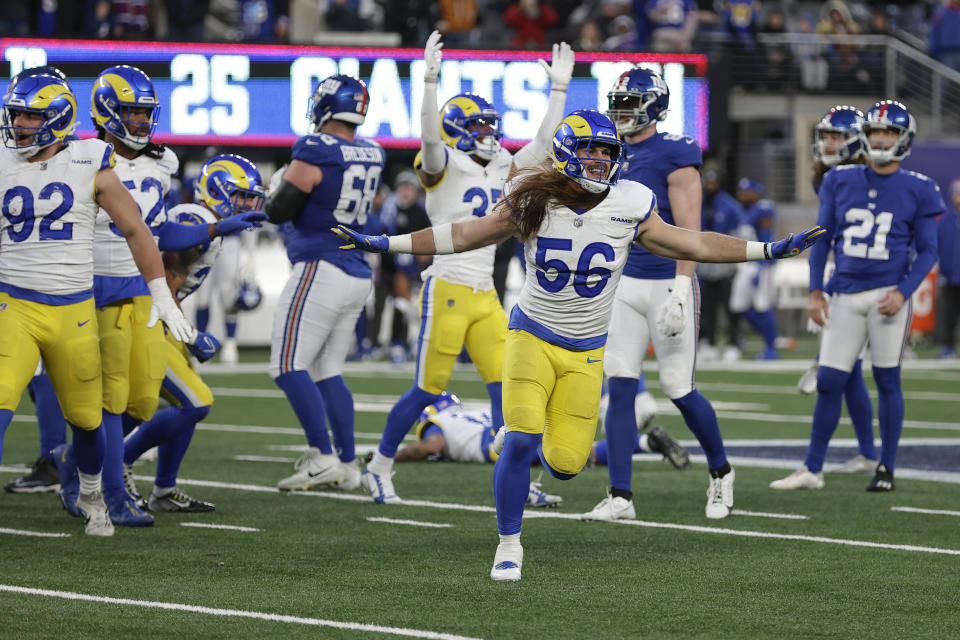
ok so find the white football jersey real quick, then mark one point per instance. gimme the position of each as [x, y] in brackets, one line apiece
[463, 431]
[467, 190]
[46, 230]
[574, 262]
[148, 181]
[190, 213]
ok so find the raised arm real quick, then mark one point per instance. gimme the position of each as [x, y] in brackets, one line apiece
[560, 71]
[433, 155]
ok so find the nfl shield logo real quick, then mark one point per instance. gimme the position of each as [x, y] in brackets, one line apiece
[578, 222]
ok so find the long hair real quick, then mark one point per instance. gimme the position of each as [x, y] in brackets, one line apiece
[151, 149]
[536, 188]
[820, 169]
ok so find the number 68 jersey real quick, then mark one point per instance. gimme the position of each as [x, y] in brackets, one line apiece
[870, 219]
[49, 211]
[574, 263]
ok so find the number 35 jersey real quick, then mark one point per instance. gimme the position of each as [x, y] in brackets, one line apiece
[870, 219]
[466, 190]
[574, 264]
[351, 177]
[46, 230]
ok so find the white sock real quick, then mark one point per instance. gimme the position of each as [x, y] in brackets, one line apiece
[89, 483]
[512, 540]
[645, 443]
[162, 491]
[380, 465]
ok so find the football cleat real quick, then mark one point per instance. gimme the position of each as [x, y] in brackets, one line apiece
[229, 354]
[507, 562]
[497, 445]
[807, 385]
[69, 490]
[351, 476]
[857, 464]
[380, 487]
[802, 478]
[178, 501]
[538, 498]
[882, 480]
[43, 478]
[313, 469]
[130, 485]
[661, 442]
[610, 509]
[720, 496]
[92, 507]
[124, 512]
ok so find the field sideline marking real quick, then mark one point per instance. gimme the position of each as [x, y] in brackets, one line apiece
[415, 523]
[36, 534]
[236, 613]
[576, 516]
[229, 527]
[937, 512]
[762, 514]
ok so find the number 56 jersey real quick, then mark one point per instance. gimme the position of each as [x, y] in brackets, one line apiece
[574, 264]
[47, 222]
[351, 176]
[870, 219]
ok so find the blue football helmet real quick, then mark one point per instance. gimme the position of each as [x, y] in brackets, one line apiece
[249, 296]
[118, 90]
[37, 71]
[471, 124]
[445, 401]
[581, 130]
[225, 182]
[339, 97]
[848, 122]
[46, 96]
[890, 115]
[639, 99]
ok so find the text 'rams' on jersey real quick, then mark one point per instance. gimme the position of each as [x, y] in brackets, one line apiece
[190, 213]
[467, 190]
[574, 264]
[148, 181]
[650, 162]
[351, 177]
[48, 219]
[872, 221]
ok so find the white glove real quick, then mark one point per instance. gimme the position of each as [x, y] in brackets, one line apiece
[164, 308]
[432, 56]
[813, 327]
[672, 317]
[560, 68]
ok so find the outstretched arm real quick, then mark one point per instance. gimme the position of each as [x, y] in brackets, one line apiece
[560, 71]
[421, 449]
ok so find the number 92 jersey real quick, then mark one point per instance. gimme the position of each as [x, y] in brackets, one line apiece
[148, 181]
[46, 230]
[351, 177]
[870, 219]
[574, 264]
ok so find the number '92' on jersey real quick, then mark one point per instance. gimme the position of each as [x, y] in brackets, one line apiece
[351, 177]
[870, 219]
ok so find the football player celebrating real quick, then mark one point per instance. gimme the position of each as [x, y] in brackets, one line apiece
[578, 223]
[874, 215]
[655, 301]
[463, 168]
[53, 192]
[228, 190]
[332, 179]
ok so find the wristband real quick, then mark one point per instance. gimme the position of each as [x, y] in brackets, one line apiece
[443, 239]
[758, 251]
[400, 244]
[681, 286]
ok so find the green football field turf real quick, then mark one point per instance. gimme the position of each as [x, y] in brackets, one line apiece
[836, 563]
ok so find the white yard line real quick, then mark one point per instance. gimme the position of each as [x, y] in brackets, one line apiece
[414, 523]
[761, 514]
[228, 527]
[935, 512]
[36, 534]
[236, 613]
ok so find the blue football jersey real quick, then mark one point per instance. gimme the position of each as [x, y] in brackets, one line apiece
[870, 220]
[649, 162]
[351, 177]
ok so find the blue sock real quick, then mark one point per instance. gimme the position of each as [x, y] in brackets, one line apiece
[129, 423]
[53, 427]
[113, 455]
[768, 328]
[701, 419]
[860, 408]
[889, 412]
[620, 424]
[641, 384]
[511, 479]
[5, 417]
[826, 415]
[164, 426]
[170, 455]
[496, 403]
[89, 447]
[307, 403]
[600, 450]
[338, 400]
[231, 323]
[402, 416]
[203, 318]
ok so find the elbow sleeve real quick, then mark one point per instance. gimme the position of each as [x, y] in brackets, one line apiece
[285, 203]
[433, 155]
